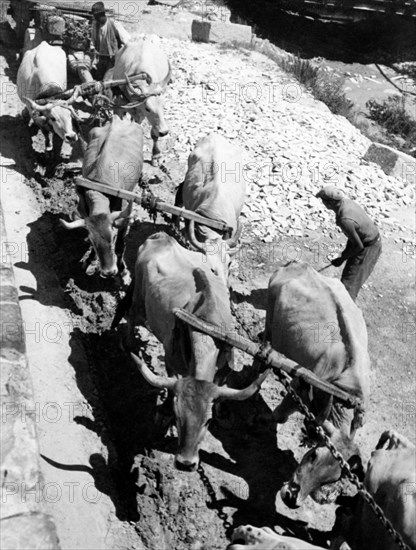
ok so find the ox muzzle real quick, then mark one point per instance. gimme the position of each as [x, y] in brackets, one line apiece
[290, 494]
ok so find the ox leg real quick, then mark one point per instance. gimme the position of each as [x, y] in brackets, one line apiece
[178, 202]
[156, 154]
[122, 233]
[48, 142]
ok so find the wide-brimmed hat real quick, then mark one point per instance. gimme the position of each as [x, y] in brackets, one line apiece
[330, 193]
[98, 8]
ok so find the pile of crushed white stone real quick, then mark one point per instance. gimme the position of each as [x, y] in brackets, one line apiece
[293, 144]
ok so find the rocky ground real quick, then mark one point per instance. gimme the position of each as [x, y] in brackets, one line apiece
[293, 145]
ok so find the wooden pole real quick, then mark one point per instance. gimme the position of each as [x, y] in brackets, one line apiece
[274, 359]
[158, 204]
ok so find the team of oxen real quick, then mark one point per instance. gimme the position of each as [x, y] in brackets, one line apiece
[169, 276]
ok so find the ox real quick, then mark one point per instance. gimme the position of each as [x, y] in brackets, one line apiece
[312, 320]
[143, 97]
[42, 72]
[114, 157]
[169, 276]
[391, 479]
[214, 187]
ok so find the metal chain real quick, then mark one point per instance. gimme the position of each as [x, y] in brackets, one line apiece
[214, 500]
[147, 204]
[345, 467]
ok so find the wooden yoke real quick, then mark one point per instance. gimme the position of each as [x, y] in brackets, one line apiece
[272, 358]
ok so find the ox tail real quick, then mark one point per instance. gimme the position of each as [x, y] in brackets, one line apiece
[123, 306]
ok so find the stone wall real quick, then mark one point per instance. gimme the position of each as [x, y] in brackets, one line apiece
[23, 523]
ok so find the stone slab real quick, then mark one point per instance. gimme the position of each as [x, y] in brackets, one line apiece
[220, 33]
[393, 162]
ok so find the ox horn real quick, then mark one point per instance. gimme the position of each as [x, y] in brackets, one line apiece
[35, 106]
[153, 379]
[233, 241]
[73, 225]
[194, 241]
[224, 392]
[130, 87]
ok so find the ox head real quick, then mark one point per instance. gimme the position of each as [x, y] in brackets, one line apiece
[56, 115]
[318, 467]
[102, 232]
[192, 403]
[146, 96]
[219, 251]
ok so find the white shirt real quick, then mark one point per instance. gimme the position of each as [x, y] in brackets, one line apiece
[124, 35]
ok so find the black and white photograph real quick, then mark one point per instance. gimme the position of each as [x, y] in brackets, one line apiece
[208, 274]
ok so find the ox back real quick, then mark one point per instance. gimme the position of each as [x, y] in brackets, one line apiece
[141, 56]
[214, 184]
[164, 279]
[114, 155]
[312, 320]
[147, 58]
[42, 71]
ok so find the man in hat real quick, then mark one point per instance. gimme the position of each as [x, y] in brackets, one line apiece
[364, 244]
[107, 37]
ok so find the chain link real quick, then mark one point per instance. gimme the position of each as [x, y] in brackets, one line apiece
[149, 202]
[345, 467]
[214, 500]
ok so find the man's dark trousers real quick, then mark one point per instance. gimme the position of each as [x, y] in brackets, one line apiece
[358, 269]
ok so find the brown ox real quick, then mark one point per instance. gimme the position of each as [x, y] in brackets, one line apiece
[114, 157]
[142, 98]
[312, 320]
[169, 276]
[214, 187]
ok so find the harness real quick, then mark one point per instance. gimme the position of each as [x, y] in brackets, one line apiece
[158, 89]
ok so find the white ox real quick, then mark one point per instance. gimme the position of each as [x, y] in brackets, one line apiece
[313, 320]
[42, 72]
[215, 188]
[142, 98]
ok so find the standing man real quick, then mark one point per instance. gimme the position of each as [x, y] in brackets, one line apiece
[107, 37]
[364, 244]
